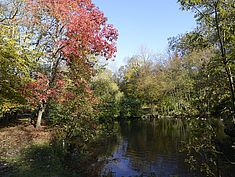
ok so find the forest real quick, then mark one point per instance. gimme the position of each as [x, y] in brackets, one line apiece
[54, 82]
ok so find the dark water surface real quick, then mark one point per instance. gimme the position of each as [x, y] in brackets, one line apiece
[149, 149]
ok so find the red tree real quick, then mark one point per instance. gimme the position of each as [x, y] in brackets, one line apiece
[39, 91]
[84, 31]
[87, 31]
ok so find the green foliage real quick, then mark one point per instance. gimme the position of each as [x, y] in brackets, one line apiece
[133, 90]
[187, 43]
[17, 58]
[76, 120]
[216, 25]
[109, 97]
[164, 88]
[201, 149]
[16, 63]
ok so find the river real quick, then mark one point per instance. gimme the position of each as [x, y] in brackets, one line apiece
[148, 149]
[152, 149]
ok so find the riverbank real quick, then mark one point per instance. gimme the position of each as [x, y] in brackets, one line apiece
[27, 152]
[15, 138]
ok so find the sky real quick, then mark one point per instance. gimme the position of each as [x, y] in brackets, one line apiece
[144, 23]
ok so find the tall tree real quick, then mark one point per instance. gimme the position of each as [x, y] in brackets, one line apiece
[17, 60]
[216, 20]
[109, 97]
[68, 33]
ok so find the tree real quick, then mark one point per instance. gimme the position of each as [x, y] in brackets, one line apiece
[14, 73]
[108, 95]
[216, 20]
[17, 60]
[68, 33]
[131, 103]
[183, 45]
[38, 92]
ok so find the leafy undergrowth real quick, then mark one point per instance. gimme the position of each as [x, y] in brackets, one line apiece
[27, 152]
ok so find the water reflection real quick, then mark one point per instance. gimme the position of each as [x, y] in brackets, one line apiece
[149, 149]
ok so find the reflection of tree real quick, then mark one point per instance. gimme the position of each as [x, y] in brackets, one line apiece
[96, 155]
[153, 147]
[208, 149]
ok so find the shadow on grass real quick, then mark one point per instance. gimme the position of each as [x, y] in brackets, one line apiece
[39, 161]
[32, 157]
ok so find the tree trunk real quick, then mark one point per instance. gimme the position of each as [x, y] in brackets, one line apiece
[40, 113]
[152, 108]
[224, 58]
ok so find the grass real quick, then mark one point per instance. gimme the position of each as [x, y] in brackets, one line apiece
[40, 161]
[27, 152]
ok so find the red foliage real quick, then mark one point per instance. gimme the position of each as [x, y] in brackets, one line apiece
[39, 91]
[86, 29]
[85, 32]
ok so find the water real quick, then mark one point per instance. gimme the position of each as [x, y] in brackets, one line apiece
[148, 149]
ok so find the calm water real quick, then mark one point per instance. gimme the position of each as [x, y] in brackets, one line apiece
[148, 149]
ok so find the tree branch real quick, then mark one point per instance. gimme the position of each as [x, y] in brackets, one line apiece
[203, 15]
[11, 17]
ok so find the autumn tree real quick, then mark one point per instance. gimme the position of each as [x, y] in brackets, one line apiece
[68, 33]
[14, 73]
[17, 59]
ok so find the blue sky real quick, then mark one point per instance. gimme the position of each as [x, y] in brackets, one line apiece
[144, 23]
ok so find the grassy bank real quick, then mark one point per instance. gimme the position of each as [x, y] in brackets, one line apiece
[27, 152]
